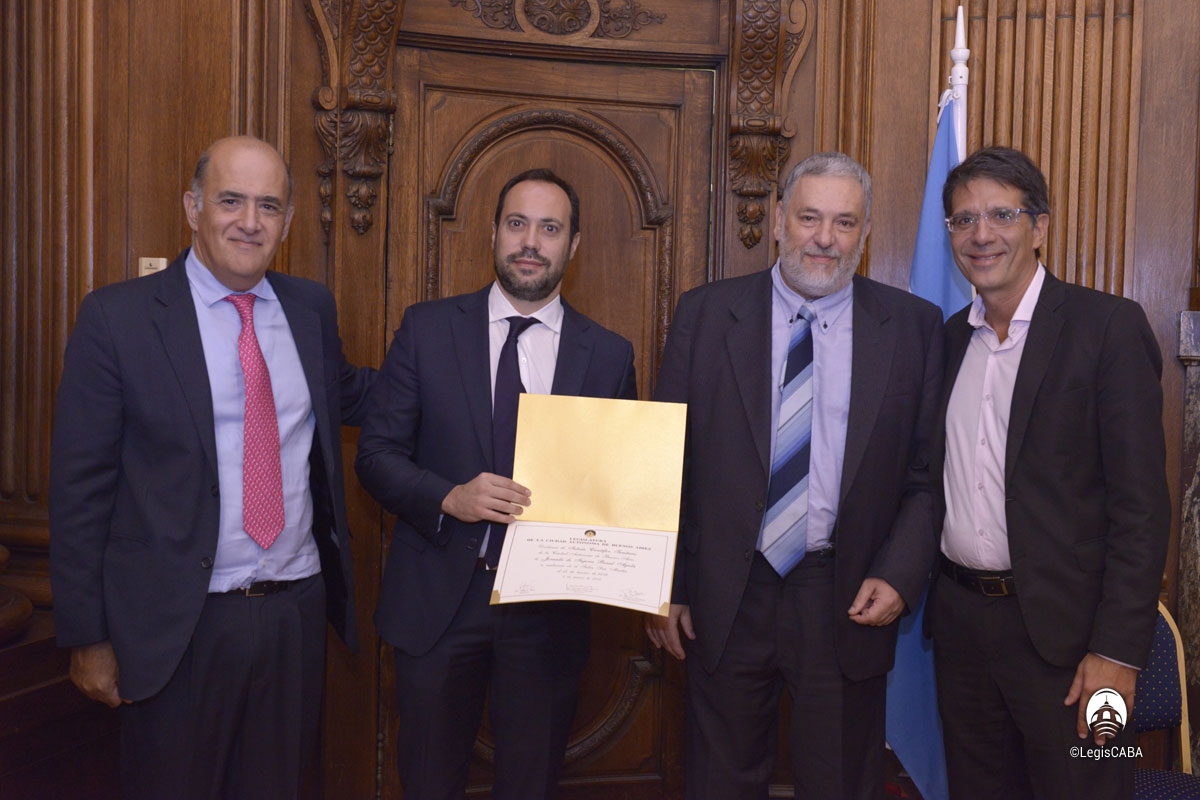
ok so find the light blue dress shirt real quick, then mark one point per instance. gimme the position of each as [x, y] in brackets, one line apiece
[239, 560]
[833, 340]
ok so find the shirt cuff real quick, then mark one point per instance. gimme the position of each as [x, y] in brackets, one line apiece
[1122, 663]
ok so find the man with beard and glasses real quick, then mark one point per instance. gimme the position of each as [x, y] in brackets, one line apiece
[437, 451]
[806, 528]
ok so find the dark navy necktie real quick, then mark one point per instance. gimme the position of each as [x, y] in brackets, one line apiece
[504, 420]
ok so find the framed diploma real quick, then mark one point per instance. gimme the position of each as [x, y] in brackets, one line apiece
[604, 478]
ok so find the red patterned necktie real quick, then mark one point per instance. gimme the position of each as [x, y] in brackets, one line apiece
[262, 477]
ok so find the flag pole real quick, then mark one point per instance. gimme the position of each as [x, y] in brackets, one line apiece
[958, 83]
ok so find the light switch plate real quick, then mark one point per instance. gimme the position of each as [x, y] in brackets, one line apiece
[149, 265]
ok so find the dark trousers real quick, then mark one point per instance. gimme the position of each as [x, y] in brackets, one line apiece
[240, 716]
[1007, 733]
[784, 634]
[526, 659]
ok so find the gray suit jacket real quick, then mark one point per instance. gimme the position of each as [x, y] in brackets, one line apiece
[1085, 478]
[717, 360]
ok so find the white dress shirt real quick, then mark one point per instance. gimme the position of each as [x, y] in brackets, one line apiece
[975, 533]
[537, 349]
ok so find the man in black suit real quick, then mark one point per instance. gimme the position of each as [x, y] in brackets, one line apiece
[1055, 502]
[807, 522]
[198, 534]
[436, 451]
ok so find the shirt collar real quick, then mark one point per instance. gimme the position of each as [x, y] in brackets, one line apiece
[499, 308]
[1024, 312]
[211, 290]
[826, 309]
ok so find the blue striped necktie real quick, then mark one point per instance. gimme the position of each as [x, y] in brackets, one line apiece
[785, 526]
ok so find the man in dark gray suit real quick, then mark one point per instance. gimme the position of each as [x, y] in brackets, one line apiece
[198, 537]
[1050, 476]
[807, 523]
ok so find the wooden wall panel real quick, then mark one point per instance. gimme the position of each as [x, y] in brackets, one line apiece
[45, 265]
[1058, 80]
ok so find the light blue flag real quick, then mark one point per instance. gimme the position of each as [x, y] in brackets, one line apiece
[914, 728]
[934, 274]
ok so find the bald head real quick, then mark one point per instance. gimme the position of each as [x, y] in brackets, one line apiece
[251, 143]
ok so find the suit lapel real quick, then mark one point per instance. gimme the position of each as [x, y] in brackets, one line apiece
[574, 353]
[749, 343]
[870, 368]
[174, 316]
[469, 330]
[1040, 342]
[305, 325]
[958, 337]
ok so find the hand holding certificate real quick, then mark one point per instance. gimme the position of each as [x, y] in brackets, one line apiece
[605, 477]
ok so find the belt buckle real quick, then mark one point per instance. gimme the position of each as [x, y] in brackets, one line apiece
[985, 584]
[251, 593]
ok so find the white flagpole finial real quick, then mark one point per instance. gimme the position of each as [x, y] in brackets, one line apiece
[958, 83]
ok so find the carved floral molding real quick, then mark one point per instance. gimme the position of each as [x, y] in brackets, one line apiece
[770, 39]
[612, 19]
[355, 104]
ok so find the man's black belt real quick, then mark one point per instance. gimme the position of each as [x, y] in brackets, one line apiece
[261, 588]
[989, 583]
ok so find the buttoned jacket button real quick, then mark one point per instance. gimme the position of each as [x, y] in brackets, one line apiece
[206, 562]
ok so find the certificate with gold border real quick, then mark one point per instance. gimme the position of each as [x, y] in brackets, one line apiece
[605, 479]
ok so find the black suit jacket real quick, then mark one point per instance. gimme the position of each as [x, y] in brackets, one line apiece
[430, 428]
[1086, 492]
[134, 505]
[717, 360]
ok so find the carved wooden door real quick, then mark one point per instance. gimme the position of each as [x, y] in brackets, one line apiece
[636, 142]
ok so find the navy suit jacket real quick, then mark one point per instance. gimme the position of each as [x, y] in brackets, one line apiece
[429, 429]
[717, 360]
[134, 500]
[1085, 478]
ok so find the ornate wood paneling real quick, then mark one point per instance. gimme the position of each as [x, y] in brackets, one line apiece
[1060, 80]
[770, 39]
[625, 29]
[571, 19]
[356, 102]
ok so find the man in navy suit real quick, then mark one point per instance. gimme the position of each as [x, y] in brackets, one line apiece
[198, 537]
[436, 451]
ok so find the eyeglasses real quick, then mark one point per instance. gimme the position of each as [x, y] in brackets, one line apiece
[996, 218]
